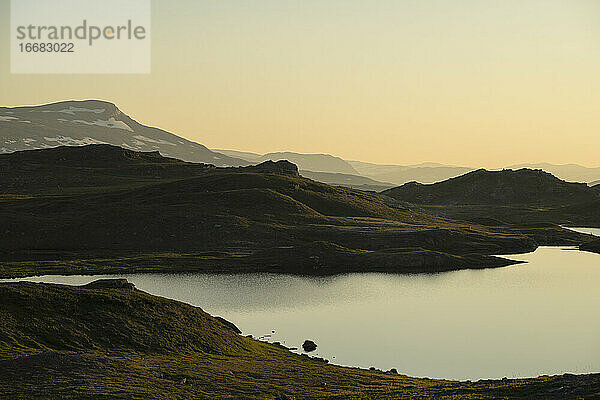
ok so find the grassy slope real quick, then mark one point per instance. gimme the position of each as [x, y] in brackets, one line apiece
[102, 209]
[523, 199]
[506, 187]
[593, 246]
[64, 342]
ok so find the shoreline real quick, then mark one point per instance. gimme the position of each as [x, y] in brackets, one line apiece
[139, 368]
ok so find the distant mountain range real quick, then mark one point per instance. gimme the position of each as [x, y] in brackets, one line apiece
[320, 167]
[337, 171]
[384, 175]
[348, 180]
[400, 174]
[307, 162]
[78, 123]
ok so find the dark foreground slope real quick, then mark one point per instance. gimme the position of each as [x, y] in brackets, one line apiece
[593, 246]
[65, 342]
[101, 208]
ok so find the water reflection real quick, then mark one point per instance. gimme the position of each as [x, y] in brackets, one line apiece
[524, 320]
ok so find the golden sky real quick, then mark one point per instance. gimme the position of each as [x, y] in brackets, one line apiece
[466, 82]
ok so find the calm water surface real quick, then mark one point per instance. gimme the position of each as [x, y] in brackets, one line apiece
[542, 317]
[590, 231]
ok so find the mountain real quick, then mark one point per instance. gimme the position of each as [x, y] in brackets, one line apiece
[306, 162]
[523, 198]
[595, 184]
[313, 162]
[320, 167]
[244, 155]
[435, 172]
[568, 172]
[105, 209]
[323, 167]
[524, 186]
[400, 174]
[347, 180]
[109, 340]
[77, 123]
[353, 174]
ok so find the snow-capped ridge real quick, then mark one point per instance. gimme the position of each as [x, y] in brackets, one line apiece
[82, 122]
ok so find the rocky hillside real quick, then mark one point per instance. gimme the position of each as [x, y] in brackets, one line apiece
[39, 317]
[78, 123]
[111, 341]
[506, 187]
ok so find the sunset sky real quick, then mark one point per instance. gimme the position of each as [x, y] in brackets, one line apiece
[466, 82]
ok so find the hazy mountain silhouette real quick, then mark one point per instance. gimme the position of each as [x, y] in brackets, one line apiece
[77, 123]
[400, 174]
[347, 180]
[568, 172]
[306, 162]
[320, 167]
[244, 155]
[313, 162]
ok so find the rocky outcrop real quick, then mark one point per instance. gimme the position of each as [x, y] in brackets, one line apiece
[282, 167]
[110, 284]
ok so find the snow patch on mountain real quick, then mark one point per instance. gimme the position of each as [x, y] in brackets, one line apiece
[72, 110]
[130, 147]
[109, 123]
[69, 141]
[149, 140]
[7, 119]
[28, 141]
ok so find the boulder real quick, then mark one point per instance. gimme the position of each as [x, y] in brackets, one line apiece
[309, 346]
